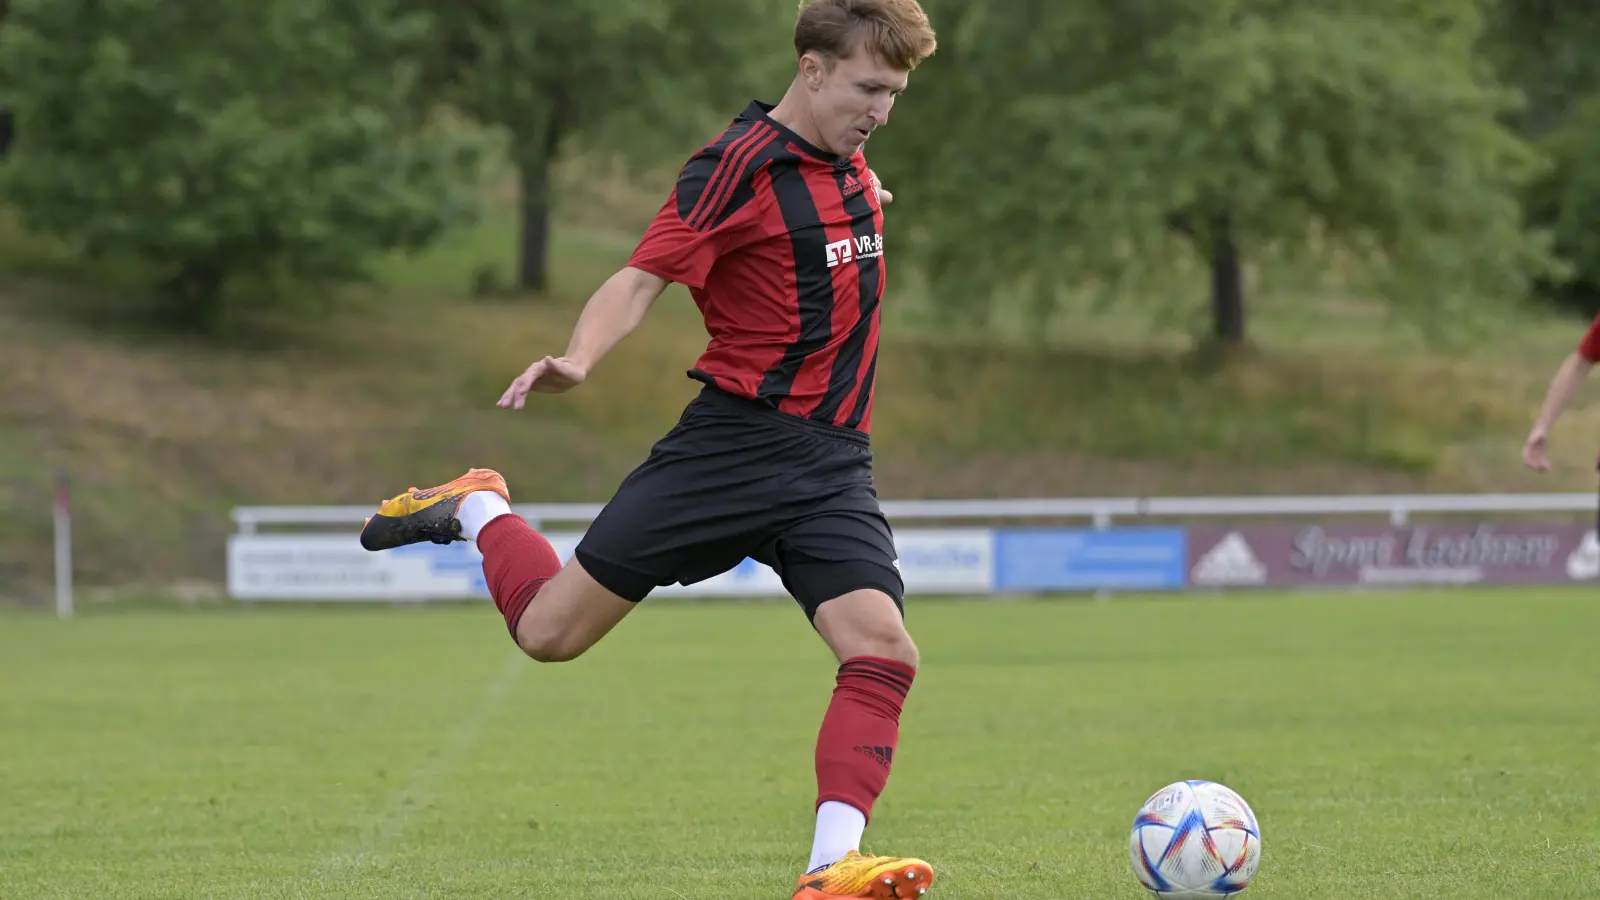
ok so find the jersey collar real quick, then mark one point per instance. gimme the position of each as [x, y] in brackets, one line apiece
[760, 111]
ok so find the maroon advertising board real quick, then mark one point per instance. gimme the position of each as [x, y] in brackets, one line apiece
[1297, 554]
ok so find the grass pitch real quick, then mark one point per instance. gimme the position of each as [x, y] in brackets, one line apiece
[1393, 746]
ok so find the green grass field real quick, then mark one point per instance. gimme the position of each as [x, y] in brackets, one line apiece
[1393, 746]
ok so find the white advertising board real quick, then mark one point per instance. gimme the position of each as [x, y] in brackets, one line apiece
[334, 567]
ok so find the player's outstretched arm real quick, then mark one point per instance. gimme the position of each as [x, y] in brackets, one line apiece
[614, 311]
[1563, 387]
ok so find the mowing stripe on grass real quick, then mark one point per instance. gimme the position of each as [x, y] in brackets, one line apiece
[389, 822]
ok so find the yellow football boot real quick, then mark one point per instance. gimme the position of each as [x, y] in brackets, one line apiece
[874, 877]
[430, 515]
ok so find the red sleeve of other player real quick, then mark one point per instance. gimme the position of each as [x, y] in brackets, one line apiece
[711, 211]
[1589, 347]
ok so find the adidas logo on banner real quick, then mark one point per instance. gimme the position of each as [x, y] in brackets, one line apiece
[1584, 563]
[1231, 561]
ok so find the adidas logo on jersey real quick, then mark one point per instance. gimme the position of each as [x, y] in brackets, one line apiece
[852, 186]
[860, 247]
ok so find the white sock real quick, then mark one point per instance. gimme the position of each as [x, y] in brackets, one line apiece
[839, 830]
[478, 509]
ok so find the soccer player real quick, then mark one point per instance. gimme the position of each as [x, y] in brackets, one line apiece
[1563, 388]
[776, 228]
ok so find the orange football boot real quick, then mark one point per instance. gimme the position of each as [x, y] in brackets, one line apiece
[430, 515]
[874, 877]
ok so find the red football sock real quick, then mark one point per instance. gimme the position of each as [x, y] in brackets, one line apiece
[855, 748]
[517, 561]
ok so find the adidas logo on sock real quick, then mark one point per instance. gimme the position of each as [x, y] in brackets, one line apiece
[883, 756]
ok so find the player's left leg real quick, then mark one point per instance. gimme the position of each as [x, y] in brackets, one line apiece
[573, 611]
[840, 567]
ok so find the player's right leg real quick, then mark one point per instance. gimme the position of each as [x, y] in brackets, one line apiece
[572, 611]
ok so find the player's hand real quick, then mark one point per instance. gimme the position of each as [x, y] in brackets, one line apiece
[1535, 450]
[884, 197]
[550, 375]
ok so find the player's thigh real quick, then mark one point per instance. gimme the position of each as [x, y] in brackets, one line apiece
[698, 506]
[570, 614]
[840, 566]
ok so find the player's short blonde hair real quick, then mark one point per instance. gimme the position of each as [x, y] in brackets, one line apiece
[896, 31]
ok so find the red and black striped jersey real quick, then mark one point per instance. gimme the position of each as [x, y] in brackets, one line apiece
[1589, 346]
[781, 245]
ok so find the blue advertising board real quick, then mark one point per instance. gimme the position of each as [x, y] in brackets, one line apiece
[1070, 559]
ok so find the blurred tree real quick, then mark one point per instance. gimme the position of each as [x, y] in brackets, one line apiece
[277, 137]
[1051, 144]
[1546, 48]
[632, 76]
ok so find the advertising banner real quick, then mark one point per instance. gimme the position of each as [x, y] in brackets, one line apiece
[1079, 559]
[333, 567]
[1379, 554]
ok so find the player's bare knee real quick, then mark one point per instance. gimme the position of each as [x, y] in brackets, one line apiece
[548, 645]
[548, 641]
[898, 647]
[866, 623]
[886, 644]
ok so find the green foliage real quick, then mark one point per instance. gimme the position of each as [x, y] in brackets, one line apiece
[273, 138]
[1546, 48]
[1055, 144]
[611, 69]
[1567, 202]
[639, 78]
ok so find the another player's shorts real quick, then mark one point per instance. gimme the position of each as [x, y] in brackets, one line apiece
[736, 479]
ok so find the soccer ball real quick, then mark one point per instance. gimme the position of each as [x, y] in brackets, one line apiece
[1195, 840]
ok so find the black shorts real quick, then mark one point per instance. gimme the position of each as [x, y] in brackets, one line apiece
[736, 479]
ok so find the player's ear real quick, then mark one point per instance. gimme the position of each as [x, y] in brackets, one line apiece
[812, 69]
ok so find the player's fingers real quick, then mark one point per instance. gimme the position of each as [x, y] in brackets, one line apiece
[877, 187]
[524, 384]
[517, 395]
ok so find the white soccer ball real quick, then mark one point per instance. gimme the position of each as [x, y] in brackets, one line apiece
[1194, 840]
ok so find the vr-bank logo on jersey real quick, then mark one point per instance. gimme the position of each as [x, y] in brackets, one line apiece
[861, 247]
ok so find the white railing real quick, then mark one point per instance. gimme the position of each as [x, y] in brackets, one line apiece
[1101, 511]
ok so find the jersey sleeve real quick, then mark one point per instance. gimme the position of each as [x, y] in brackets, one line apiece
[712, 210]
[1589, 347]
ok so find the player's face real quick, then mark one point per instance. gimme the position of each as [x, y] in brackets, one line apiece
[852, 98]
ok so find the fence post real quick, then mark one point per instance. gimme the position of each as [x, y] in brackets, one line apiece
[63, 522]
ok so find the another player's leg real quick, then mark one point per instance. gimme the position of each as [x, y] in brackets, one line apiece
[572, 611]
